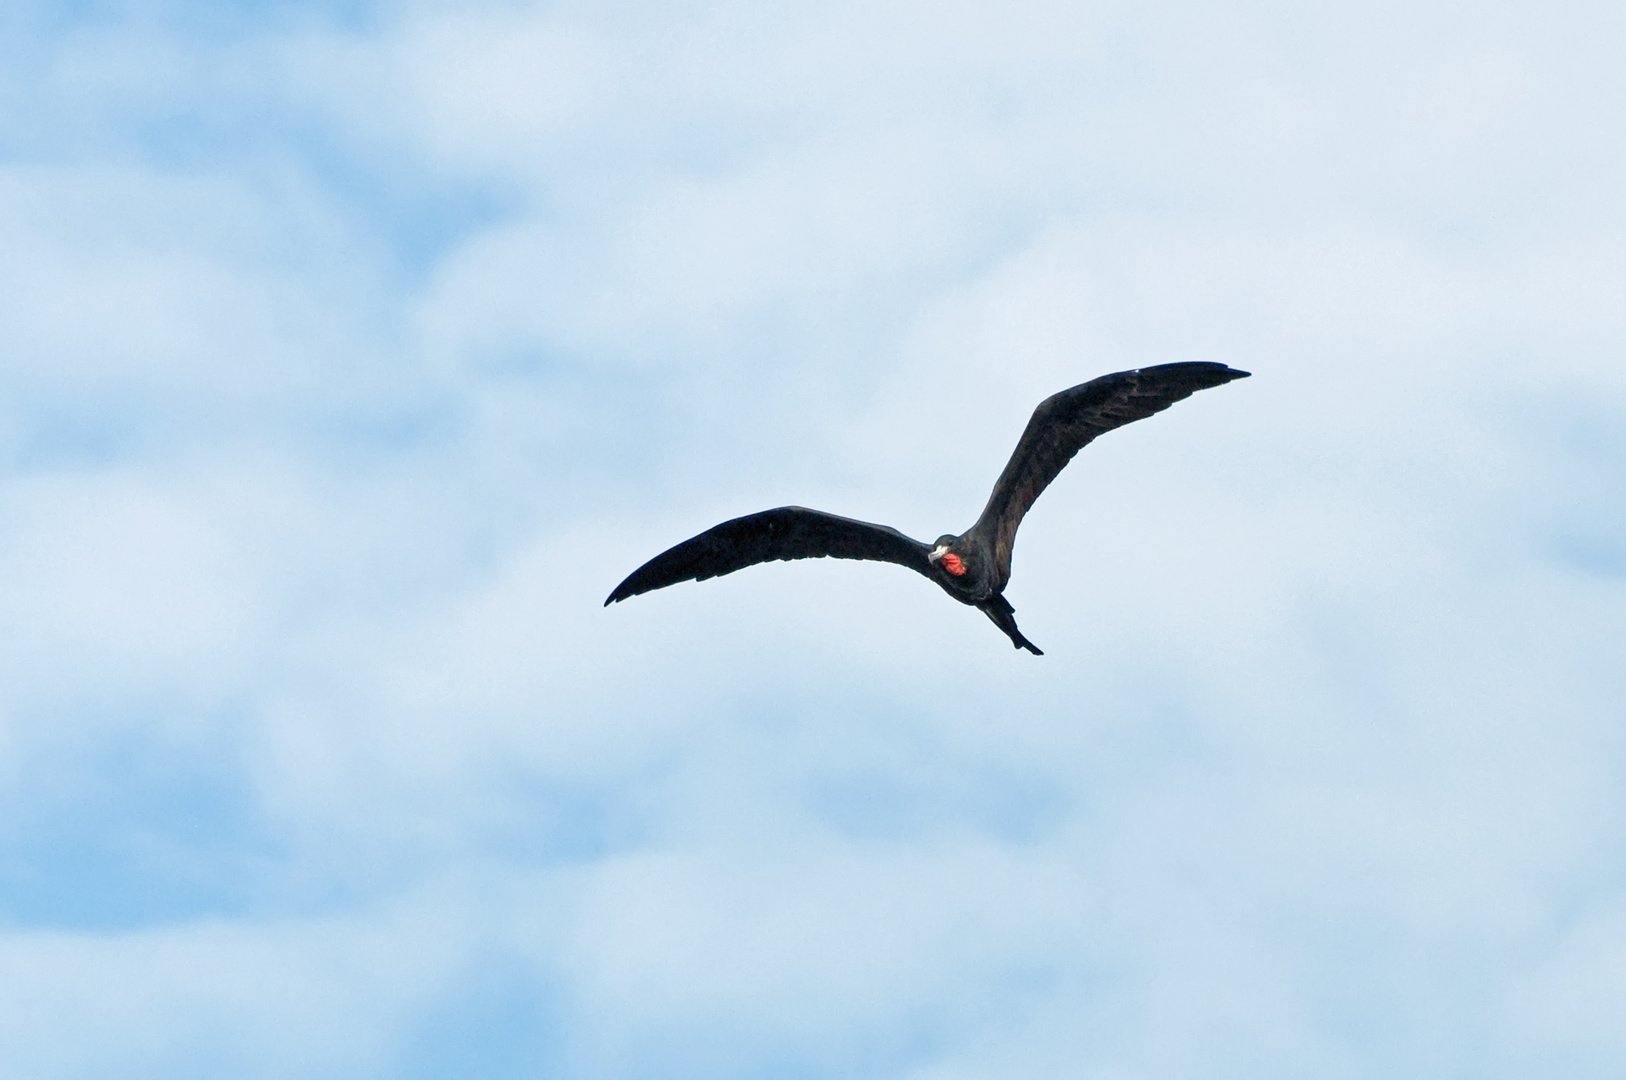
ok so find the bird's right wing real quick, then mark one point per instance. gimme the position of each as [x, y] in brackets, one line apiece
[1064, 424]
[789, 532]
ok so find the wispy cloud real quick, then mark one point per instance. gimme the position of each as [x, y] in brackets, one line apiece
[349, 356]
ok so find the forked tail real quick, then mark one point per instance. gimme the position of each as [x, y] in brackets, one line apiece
[999, 610]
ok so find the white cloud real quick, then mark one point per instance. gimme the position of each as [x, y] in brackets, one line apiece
[353, 364]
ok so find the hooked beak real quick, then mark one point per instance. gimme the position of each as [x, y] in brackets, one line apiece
[937, 553]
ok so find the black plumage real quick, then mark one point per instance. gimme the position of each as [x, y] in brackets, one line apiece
[975, 566]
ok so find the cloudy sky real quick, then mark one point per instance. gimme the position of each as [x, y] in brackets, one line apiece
[350, 353]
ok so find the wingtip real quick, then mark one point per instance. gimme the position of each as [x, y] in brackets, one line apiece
[622, 592]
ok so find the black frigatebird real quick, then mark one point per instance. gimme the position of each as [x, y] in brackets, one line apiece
[974, 566]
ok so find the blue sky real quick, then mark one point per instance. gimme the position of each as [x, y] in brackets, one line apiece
[350, 354]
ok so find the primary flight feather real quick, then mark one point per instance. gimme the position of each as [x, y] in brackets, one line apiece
[975, 566]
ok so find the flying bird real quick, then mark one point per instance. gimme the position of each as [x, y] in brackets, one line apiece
[974, 566]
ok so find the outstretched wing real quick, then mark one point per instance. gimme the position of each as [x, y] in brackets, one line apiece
[790, 532]
[1065, 423]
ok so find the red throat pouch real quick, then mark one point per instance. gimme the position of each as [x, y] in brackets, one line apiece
[951, 563]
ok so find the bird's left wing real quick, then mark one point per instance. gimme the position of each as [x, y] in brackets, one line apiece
[1065, 423]
[789, 532]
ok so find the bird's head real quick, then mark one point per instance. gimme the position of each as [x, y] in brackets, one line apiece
[944, 555]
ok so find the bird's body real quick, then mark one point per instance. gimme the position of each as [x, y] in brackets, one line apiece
[974, 566]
